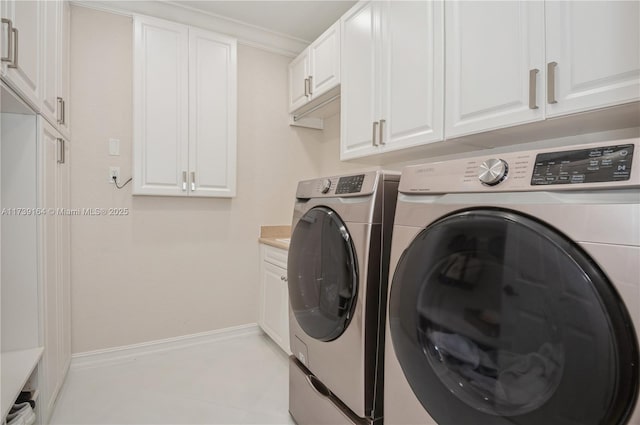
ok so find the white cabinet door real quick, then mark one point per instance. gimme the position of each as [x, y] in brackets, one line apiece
[324, 60]
[63, 248]
[412, 74]
[491, 47]
[50, 151]
[50, 61]
[275, 308]
[298, 81]
[212, 117]
[360, 61]
[23, 46]
[64, 47]
[596, 47]
[56, 263]
[161, 107]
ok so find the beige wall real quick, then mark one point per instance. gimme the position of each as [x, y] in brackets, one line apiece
[178, 266]
[173, 266]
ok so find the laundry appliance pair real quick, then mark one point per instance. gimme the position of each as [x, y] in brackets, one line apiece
[513, 292]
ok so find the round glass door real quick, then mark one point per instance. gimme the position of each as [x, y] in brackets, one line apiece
[322, 273]
[496, 318]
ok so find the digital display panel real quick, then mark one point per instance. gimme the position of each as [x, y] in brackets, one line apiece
[596, 165]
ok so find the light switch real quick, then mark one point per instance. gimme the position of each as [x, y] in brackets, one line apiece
[114, 147]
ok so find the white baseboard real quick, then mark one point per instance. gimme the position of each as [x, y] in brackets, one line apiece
[131, 352]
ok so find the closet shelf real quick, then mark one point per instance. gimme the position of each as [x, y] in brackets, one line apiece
[17, 366]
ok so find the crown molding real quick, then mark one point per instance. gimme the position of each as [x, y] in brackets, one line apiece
[247, 34]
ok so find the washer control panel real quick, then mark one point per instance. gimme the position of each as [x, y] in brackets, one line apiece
[589, 166]
[595, 165]
[350, 184]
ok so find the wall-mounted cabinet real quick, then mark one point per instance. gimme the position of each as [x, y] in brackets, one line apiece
[392, 77]
[22, 35]
[184, 110]
[494, 65]
[510, 63]
[274, 295]
[314, 75]
[504, 64]
[592, 55]
[35, 56]
[55, 60]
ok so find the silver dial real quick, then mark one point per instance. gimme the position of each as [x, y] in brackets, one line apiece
[325, 186]
[493, 171]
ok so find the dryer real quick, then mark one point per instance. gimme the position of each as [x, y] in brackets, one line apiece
[515, 296]
[337, 274]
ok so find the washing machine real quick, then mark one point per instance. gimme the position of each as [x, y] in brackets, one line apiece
[337, 276]
[515, 296]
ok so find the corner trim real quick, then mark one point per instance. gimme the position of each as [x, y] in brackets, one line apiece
[247, 34]
[94, 358]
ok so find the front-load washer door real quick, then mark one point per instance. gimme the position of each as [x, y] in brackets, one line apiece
[322, 274]
[496, 318]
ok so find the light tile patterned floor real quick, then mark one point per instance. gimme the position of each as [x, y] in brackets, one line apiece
[243, 380]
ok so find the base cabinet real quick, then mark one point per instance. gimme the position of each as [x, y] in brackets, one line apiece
[274, 295]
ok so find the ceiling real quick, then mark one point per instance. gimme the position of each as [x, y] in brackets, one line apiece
[302, 19]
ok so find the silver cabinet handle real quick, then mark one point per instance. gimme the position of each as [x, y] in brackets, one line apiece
[184, 181]
[306, 87]
[373, 134]
[9, 56]
[14, 59]
[61, 153]
[551, 82]
[193, 181]
[381, 132]
[60, 109]
[310, 85]
[533, 79]
[64, 112]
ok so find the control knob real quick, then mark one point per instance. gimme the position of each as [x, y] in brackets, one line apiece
[493, 171]
[325, 185]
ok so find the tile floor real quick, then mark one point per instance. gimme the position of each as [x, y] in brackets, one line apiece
[243, 380]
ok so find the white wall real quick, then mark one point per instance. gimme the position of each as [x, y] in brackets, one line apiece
[173, 266]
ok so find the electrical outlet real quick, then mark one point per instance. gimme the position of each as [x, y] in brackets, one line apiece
[114, 172]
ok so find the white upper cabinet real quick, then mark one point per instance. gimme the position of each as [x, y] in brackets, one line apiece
[494, 64]
[64, 47]
[161, 107]
[22, 26]
[593, 54]
[392, 77]
[50, 68]
[316, 70]
[55, 64]
[360, 55]
[413, 67]
[324, 62]
[184, 111]
[298, 81]
[212, 98]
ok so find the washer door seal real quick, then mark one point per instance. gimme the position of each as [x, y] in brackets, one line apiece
[323, 274]
[497, 318]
